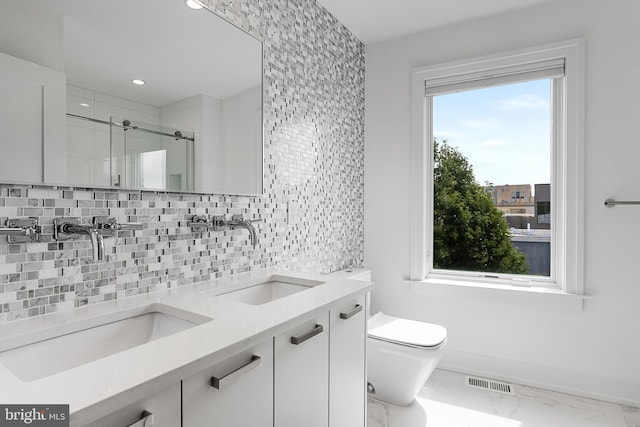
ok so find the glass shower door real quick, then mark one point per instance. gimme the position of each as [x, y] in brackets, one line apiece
[147, 156]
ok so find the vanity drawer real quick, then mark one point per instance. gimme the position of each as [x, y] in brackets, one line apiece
[163, 407]
[235, 392]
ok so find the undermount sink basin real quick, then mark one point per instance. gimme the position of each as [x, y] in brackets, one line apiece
[67, 346]
[274, 288]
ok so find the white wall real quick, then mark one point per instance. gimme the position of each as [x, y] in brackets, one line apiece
[201, 114]
[33, 123]
[32, 33]
[595, 352]
[242, 147]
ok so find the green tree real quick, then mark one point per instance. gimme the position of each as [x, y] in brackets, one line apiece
[469, 233]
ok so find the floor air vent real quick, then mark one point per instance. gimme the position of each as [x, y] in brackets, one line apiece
[490, 385]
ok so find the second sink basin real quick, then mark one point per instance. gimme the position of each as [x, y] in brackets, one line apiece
[70, 345]
[274, 288]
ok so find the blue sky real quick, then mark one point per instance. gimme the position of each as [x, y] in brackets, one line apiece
[504, 131]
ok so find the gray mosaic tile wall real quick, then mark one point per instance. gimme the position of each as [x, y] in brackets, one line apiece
[312, 209]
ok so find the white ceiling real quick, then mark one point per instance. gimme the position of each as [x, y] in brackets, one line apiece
[178, 51]
[377, 20]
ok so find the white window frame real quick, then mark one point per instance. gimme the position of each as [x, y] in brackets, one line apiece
[567, 163]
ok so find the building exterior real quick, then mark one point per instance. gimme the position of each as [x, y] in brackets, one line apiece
[514, 199]
[542, 207]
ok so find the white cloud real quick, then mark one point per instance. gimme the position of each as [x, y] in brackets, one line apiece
[522, 101]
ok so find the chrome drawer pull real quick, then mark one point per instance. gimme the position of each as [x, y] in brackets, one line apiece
[146, 420]
[357, 309]
[234, 375]
[304, 337]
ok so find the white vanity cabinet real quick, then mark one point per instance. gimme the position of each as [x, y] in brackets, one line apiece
[347, 367]
[311, 375]
[302, 374]
[161, 409]
[237, 392]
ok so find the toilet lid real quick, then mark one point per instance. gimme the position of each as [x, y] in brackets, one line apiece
[406, 332]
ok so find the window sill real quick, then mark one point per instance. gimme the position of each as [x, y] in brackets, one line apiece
[534, 297]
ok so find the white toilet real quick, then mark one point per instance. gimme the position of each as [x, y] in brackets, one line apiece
[401, 355]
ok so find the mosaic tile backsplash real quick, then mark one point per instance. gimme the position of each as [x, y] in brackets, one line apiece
[312, 210]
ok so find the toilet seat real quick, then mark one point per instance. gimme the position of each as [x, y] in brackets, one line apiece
[406, 332]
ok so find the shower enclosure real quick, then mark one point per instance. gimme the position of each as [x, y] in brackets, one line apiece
[149, 156]
[129, 154]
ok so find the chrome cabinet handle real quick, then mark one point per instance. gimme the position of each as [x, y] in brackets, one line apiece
[233, 376]
[357, 309]
[146, 420]
[304, 337]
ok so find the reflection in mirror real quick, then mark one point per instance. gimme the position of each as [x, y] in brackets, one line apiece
[147, 156]
[192, 123]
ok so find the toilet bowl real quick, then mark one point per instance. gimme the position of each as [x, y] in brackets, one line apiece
[401, 355]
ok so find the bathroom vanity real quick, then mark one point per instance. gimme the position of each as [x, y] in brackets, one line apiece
[263, 349]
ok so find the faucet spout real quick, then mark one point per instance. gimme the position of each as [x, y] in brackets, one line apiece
[237, 221]
[97, 241]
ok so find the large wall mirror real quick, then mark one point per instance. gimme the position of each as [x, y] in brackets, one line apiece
[135, 94]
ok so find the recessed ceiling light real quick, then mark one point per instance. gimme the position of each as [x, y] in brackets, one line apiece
[84, 104]
[193, 4]
[137, 82]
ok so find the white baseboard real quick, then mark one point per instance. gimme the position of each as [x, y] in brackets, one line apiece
[591, 385]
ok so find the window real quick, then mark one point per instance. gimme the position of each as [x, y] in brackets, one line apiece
[549, 166]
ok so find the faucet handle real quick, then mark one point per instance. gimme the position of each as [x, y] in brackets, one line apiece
[108, 226]
[129, 226]
[199, 223]
[240, 218]
[22, 230]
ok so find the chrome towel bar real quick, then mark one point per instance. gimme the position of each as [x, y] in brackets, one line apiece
[611, 203]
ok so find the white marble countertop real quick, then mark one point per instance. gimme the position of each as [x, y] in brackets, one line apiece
[100, 387]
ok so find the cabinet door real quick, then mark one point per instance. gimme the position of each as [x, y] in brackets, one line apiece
[347, 377]
[237, 392]
[32, 119]
[302, 374]
[163, 408]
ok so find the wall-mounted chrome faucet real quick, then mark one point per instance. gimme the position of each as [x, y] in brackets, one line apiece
[108, 226]
[70, 228]
[237, 221]
[102, 226]
[22, 230]
[200, 223]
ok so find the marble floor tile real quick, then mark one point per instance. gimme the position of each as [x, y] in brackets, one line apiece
[447, 402]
